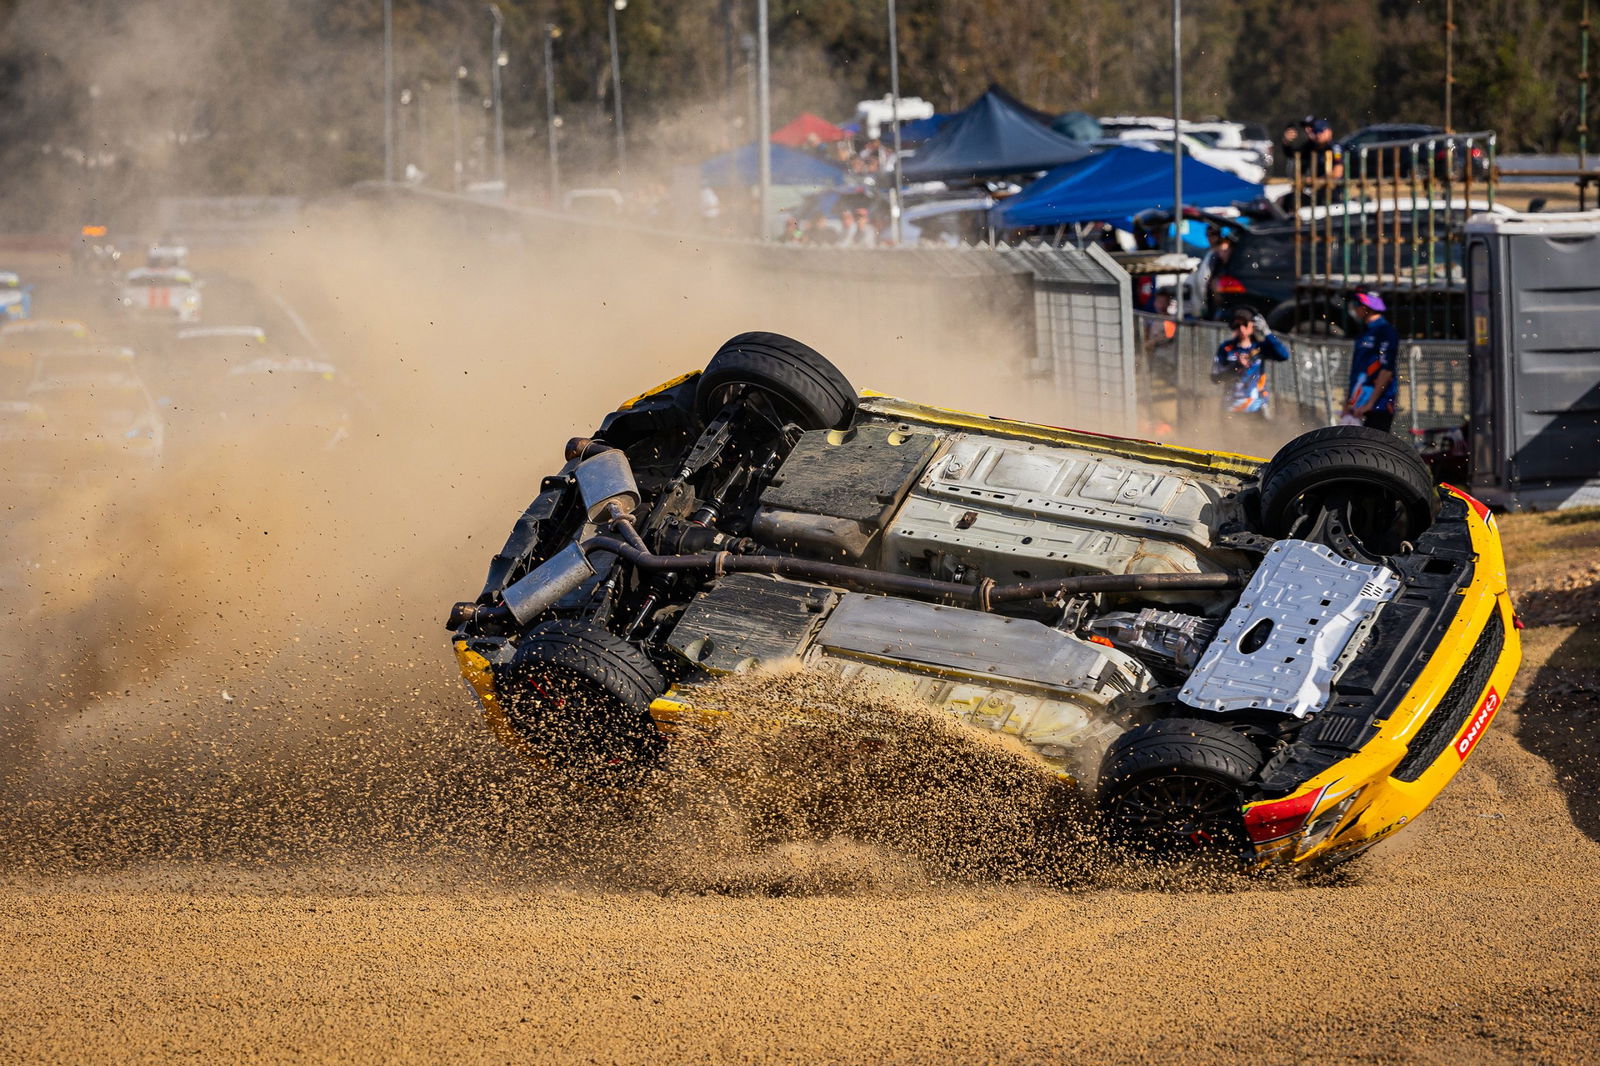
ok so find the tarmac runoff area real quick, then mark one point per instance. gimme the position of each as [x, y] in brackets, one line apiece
[248, 819]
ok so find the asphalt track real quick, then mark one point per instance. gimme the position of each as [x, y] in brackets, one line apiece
[247, 818]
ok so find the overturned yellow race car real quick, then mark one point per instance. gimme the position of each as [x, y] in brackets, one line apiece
[1284, 661]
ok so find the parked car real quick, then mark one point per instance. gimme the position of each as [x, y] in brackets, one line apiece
[947, 222]
[1249, 141]
[1238, 162]
[1281, 663]
[1448, 154]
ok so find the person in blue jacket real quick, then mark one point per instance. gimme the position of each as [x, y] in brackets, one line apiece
[1374, 365]
[1240, 364]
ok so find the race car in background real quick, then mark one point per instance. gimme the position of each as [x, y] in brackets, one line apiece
[16, 299]
[1283, 662]
[167, 255]
[164, 294]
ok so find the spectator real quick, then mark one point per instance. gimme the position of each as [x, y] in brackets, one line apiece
[847, 226]
[1211, 265]
[866, 232]
[710, 206]
[1374, 366]
[1312, 143]
[1240, 364]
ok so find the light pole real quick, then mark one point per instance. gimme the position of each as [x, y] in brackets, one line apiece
[616, 86]
[388, 90]
[1449, 64]
[1177, 137]
[551, 32]
[894, 118]
[764, 117]
[402, 140]
[455, 118]
[497, 59]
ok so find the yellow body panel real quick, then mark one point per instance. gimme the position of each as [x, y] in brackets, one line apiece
[475, 670]
[1387, 804]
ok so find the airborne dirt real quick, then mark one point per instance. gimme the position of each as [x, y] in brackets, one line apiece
[248, 816]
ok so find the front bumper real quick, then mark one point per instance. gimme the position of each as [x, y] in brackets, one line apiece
[1422, 743]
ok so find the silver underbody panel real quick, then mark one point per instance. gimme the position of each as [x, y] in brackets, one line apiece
[985, 645]
[1282, 646]
[1013, 511]
[1049, 689]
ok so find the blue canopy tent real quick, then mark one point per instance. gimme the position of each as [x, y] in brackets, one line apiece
[994, 135]
[1117, 184]
[742, 166]
[921, 129]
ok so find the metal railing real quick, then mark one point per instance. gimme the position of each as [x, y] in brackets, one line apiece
[1389, 217]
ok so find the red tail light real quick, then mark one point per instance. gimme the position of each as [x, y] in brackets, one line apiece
[1479, 508]
[1227, 283]
[1276, 819]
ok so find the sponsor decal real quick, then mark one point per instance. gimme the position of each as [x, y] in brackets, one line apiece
[1479, 723]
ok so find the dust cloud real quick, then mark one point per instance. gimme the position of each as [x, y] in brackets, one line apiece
[240, 656]
[248, 813]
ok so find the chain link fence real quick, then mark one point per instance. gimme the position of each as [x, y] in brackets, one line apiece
[1174, 367]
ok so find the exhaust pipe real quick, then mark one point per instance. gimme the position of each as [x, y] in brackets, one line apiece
[540, 590]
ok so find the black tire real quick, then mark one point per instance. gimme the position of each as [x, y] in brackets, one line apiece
[1367, 466]
[580, 696]
[1172, 787]
[803, 387]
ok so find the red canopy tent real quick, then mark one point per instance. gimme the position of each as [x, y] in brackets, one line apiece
[798, 132]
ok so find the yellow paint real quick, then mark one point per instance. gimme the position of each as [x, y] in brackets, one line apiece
[1387, 804]
[1194, 458]
[663, 387]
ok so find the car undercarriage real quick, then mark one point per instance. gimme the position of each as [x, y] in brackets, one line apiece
[1218, 650]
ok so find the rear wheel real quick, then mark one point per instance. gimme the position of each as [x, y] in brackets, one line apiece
[580, 696]
[795, 380]
[1172, 787]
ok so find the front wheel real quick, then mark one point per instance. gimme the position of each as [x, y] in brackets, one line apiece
[1173, 787]
[578, 697]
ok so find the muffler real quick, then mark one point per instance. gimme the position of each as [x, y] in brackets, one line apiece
[540, 590]
[605, 478]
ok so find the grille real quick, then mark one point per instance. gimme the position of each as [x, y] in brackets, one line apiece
[1459, 700]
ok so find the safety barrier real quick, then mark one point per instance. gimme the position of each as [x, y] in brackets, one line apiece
[1389, 216]
[1174, 366]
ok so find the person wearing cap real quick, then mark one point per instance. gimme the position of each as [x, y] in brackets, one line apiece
[1240, 364]
[1312, 143]
[1374, 365]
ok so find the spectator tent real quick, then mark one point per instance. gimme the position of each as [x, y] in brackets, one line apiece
[742, 166]
[796, 133]
[1117, 184]
[995, 135]
[921, 129]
